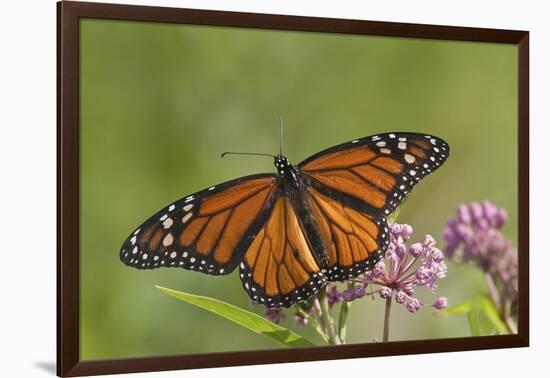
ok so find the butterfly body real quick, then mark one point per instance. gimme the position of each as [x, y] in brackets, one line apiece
[293, 184]
[292, 232]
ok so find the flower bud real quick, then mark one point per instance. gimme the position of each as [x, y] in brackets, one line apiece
[359, 291]
[440, 303]
[476, 210]
[416, 249]
[489, 210]
[400, 297]
[348, 295]
[423, 273]
[395, 228]
[385, 292]
[413, 305]
[406, 231]
[436, 255]
[379, 269]
[463, 214]
[409, 290]
[501, 217]
[400, 250]
[428, 241]
[464, 232]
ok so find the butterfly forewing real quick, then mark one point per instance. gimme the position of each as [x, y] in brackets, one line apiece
[374, 174]
[207, 231]
[279, 268]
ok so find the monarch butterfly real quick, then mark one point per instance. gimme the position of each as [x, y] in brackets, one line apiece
[291, 232]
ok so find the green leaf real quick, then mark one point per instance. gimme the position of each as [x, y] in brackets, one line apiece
[459, 309]
[246, 319]
[469, 309]
[473, 308]
[492, 314]
[473, 320]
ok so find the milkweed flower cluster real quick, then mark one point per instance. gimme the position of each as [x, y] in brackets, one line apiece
[475, 236]
[402, 270]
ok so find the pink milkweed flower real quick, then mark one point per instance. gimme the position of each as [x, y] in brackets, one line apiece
[405, 268]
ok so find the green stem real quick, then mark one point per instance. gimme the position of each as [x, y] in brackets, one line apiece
[342, 319]
[386, 335]
[493, 291]
[313, 322]
[344, 310]
[327, 317]
[495, 296]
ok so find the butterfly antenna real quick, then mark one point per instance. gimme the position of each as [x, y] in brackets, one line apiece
[281, 136]
[246, 153]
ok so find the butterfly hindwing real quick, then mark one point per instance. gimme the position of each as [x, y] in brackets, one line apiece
[375, 173]
[279, 269]
[354, 240]
[207, 231]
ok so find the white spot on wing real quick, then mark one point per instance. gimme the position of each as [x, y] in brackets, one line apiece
[188, 207]
[168, 223]
[186, 217]
[168, 240]
[409, 158]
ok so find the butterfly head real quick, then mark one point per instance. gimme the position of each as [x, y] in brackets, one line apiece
[282, 164]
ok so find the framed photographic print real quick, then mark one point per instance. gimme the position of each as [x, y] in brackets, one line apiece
[238, 188]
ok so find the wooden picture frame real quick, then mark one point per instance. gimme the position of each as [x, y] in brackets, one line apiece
[70, 13]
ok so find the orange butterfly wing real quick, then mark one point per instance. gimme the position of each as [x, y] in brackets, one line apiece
[207, 231]
[375, 173]
[354, 240]
[353, 186]
[279, 268]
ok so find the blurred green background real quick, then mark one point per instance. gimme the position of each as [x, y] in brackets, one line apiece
[160, 102]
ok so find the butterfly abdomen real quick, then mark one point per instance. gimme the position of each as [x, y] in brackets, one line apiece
[313, 234]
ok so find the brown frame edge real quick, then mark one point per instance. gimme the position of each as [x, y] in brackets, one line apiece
[68, 15]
